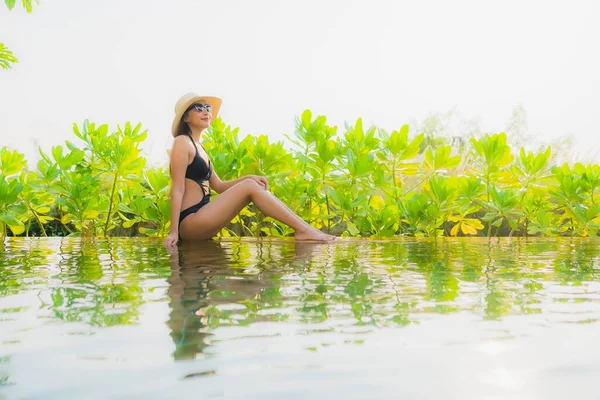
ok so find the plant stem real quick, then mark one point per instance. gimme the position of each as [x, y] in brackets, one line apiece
[419, 184]
[244, 227]
[328, 213]
[37, 219]
[394, 179]
[327, 205]
[487, 184]
[110, 206]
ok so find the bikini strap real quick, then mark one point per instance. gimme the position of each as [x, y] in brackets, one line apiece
[194, 143]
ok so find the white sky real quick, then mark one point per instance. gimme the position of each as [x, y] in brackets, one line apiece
[388, 62]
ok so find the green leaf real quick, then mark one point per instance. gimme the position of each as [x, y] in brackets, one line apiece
[67, 218]
[27, 5]
[91, 214]
[148, 232]
[412, 150]
[10, 4]
[130, 223]
[9, 219]
[45, 219]
[11, 162]
[306, 118]
[13, 223]
[352, 228]
[57, 152]
[9, 191]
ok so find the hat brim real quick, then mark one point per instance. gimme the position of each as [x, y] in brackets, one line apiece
[215, 102]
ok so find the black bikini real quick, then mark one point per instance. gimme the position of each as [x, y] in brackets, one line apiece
[199, 172]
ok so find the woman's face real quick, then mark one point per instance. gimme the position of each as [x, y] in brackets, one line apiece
[199, 116]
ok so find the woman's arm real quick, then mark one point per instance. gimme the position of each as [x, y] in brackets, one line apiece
[220, 186]
[178, 164]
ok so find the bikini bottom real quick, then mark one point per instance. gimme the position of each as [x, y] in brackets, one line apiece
[191, 210]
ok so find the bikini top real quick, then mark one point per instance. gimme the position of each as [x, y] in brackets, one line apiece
[198, 170]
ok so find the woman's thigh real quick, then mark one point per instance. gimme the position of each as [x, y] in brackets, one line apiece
[214, 216]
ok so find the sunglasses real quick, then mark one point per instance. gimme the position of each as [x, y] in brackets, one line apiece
[202, 107]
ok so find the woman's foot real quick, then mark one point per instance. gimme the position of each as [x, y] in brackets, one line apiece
[314, 235]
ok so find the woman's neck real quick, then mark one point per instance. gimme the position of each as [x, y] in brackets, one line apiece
[196, 134]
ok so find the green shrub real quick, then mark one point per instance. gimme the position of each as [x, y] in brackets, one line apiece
[364, 182]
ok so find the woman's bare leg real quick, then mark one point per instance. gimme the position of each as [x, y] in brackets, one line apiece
[211, 218]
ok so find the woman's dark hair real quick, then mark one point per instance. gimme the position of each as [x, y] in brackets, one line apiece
[183, 128]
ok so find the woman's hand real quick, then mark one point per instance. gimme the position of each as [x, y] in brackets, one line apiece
[171, 240]
[261, 180]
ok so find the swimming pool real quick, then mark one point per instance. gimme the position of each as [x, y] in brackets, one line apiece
[271, 319]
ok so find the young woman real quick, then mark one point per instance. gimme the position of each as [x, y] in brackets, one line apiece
[193, 215]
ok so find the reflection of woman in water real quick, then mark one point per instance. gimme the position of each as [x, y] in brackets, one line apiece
[193, 215]
[199, 269]
[188, 288]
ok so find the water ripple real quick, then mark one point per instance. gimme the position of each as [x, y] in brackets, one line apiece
[127, 305]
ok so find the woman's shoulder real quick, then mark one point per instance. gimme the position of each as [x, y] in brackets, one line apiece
[181, 144]
[181, 138]
[181, 141]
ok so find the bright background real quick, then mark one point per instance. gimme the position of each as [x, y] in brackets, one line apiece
[389, 62]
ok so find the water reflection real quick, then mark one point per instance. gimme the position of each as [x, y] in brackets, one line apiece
[106, 283]
[207, 297]
[213, 284]
[377, 284]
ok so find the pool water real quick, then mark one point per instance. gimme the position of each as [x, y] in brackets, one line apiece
[272, 319]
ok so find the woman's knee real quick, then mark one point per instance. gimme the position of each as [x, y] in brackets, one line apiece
[249, 186]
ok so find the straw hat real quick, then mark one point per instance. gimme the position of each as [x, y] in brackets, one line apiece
[189, 99]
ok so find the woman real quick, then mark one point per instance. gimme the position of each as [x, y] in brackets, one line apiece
[193, 215]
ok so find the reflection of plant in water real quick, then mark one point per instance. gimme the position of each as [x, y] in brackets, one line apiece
[328, 282]
[511, 279]
[376, 283]
[99, 287]
[104, 306]
[576, 262]
[433, 262]
[403, 297]
[316, 292]
[339, 284]
[4, 380]
[20, 261]
[240, 283]
[497, 301]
